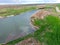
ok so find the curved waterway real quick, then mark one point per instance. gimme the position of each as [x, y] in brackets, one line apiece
[17, 26]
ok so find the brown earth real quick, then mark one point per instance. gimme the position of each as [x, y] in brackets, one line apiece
[1, 17]
[29, 41]
[39, 15]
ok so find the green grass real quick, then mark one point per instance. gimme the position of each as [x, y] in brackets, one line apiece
[49, 30]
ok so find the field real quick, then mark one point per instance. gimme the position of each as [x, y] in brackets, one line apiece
[15, 11]
[48, 32]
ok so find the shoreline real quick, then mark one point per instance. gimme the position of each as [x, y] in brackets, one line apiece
[1, 17]
[31, 23]
[40, 14]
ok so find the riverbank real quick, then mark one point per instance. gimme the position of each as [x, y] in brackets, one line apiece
[21, 39]
[47, 24]
[13, 12]
[36, 36]
[40, 14]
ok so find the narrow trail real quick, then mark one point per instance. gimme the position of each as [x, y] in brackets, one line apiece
[57, 9]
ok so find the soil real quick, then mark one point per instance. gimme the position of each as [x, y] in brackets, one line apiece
[39, 15]
[29, 41]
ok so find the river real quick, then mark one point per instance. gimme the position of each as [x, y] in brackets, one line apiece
[17, 26]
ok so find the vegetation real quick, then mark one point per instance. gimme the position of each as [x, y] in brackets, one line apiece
[58, 5]
[49, 30]
[11, 11]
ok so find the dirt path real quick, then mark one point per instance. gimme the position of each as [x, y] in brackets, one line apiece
[1, 17]
[57, 9]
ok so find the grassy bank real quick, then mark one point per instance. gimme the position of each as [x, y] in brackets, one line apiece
[12, 11]
[49, 30]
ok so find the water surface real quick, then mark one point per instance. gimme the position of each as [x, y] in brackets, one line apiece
[16, 26]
